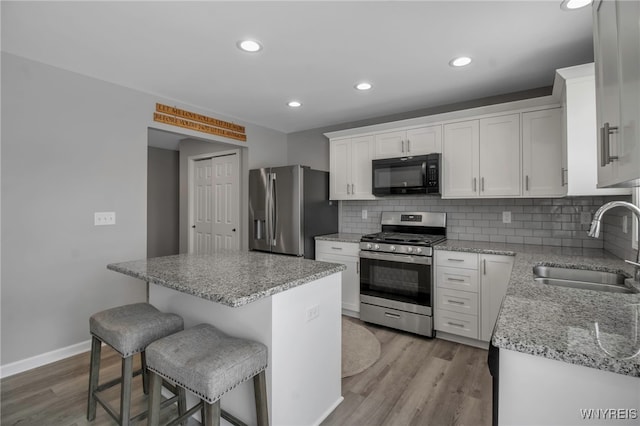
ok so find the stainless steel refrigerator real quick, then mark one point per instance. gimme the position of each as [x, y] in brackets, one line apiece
[288, 207]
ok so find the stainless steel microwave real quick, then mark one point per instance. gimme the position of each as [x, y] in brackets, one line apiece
[406, 175]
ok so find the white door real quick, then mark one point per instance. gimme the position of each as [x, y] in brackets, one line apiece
[390, 145]
[340, 167]
[542, 171]
[361, 156]
[202, 207]
[424, 140]
[215, 204]
[226, 200]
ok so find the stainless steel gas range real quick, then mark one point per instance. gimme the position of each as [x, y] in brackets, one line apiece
[396, 274]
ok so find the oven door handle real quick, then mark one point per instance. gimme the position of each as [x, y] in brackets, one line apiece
[402, 258]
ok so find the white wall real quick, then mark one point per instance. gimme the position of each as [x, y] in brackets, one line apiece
[71, 146]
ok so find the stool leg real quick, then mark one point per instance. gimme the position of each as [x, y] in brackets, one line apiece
[145, 373]
[260, 391]
[94, 375]
[155, 397]
[125, 390]
[211, 414]
[182, 400]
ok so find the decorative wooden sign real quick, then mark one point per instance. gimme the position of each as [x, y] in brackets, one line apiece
[190, 120]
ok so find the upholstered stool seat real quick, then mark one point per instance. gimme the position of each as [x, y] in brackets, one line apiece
[208, 363]
[128, 329]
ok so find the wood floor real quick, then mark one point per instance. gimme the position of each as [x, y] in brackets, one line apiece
[416, 381]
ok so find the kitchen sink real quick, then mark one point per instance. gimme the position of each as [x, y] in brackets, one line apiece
[582, 279]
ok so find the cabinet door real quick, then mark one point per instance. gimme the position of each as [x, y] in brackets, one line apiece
[460, 165]
[495, 273]
[500, 156]
[424, 140]
[628, 20]
[361, 156]
[340, 169]
[390, 145]
[350, 279]
[542, 168]
[607, 86]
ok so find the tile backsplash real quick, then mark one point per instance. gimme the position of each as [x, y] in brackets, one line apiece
[545, 221]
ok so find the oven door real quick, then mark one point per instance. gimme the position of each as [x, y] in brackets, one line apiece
[403, 280]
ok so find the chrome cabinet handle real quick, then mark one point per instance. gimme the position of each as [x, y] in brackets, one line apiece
[358, 268]
[455, 260]
[484, 266]
[336, 248]
[347, 189]
[482, 184]
[402, 142]
[353, 188]
[456, 302]
[605, 148]
[526, 183]
[458, 280]
[562, 176]
[394, 316]
[455, 324]
[408, 145]
[474, 184]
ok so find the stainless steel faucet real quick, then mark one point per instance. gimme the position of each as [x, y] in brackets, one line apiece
[594, 232]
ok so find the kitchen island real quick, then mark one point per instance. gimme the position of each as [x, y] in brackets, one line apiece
[551, 366]
[290, 304]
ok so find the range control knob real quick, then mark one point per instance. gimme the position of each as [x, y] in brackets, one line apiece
[377, 247]
[369, 246]
[418, 250]
[392, 248]
[409, 249]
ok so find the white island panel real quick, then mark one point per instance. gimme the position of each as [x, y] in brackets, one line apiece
[303, 376]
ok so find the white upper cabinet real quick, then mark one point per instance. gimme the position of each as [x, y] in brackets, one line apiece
[350, 168]
[617, 70]
[402, 143]
[543, 168]
[575, 87]
[500, 156]
[481, 158]
[460, 159]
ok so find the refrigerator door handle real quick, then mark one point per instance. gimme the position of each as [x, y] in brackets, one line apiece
[274, 210]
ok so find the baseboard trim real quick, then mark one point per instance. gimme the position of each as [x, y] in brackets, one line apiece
[329, 411]
[43, 359]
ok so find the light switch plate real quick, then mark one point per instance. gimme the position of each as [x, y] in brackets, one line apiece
[364, 213]
[104, 218]
[506, 217]
[585, 218]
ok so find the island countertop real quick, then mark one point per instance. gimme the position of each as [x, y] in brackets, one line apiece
[232, 278]
[558, 322]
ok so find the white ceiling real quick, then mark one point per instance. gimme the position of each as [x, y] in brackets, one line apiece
[313, 51]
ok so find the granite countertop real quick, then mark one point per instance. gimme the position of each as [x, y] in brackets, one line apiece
[340, 237]
[557, 322]
[231, 278]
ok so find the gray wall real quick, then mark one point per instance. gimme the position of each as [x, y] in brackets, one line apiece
[71, 146]
[162, 202]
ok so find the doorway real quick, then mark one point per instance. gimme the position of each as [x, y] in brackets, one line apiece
[214, 202]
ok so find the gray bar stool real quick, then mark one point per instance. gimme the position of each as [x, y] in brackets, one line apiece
[128, 329]
[209, 363]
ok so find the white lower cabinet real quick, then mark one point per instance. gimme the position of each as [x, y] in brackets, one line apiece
[346, 254]
[469, 289]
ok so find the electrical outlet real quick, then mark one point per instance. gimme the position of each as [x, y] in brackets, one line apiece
[625, 224]
[104, 218]
[313, 312]
[364, 213]
[585, 218]
[506, 217]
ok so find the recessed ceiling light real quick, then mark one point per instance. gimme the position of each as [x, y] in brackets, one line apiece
[294, 104]
[363, 86]
[249, 45]
[460, 61]
[574, 4]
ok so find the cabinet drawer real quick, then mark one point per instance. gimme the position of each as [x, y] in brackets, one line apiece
[457, 323]
[457, 279]
[463, 302]
[337, 247]
[457, 259]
